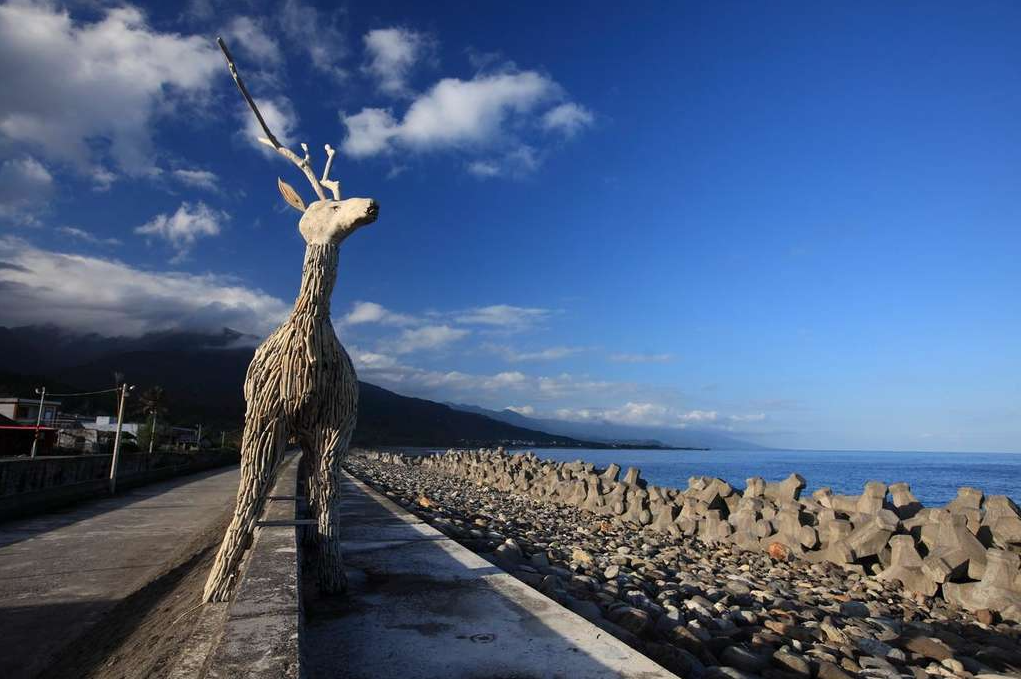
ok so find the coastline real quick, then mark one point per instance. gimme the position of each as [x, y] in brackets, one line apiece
[702, 605]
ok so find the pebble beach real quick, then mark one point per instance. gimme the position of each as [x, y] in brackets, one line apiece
[702, 609]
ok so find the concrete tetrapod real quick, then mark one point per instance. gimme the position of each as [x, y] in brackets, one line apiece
[997, 590]
[884, 531]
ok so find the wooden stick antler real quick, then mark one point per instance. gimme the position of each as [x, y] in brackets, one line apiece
[332, 184]
[269, 140]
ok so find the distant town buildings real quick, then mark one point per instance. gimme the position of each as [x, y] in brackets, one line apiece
[74, 433]
[26, 410]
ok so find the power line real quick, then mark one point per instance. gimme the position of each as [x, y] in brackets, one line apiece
[88, 393]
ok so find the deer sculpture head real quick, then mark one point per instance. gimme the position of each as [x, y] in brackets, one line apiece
[327, 220]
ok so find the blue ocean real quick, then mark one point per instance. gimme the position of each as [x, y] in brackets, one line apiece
[934, 477]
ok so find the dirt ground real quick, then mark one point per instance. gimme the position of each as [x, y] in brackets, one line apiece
[144, 635]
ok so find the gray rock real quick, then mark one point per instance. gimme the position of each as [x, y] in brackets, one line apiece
[829, 670]
[585, 609]
[743, 659]
[634, 620]
[792, 662]
[854, 609]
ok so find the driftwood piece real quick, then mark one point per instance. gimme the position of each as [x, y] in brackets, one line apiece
[300, 383]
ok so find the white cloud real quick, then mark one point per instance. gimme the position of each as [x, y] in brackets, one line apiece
[25, 184]
[568, 119]
[107, 296]
[318, 34]
[199, 10]
[369, 132]
[370, 312]
[370, 360]
[380, 368]
[503, 316]
[495, 389]
[181, 229]
[251, 38]
[518, 162]
[698, 416]
[566, 385]
[484, 168]
[521, 160]
[506, 379]
[79, 82]
[641, 358]
[751, 417]
[521, 410]
[86, 237]
[279, 115]
[428, 337]
[454, 113]
[199, 179]
[102, 178]
[435, 329]
[392, 53]
[638, 414]
[549, 354]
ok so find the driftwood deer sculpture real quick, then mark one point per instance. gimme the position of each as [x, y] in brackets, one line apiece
[301, 382]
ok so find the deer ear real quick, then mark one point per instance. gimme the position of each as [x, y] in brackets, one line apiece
[290, 195]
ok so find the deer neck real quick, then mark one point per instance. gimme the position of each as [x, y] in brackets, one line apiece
[318, 275]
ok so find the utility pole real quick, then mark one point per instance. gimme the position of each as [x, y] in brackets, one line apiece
[117, 438]
[223, 439]
[152, 431]
[198, 439]
[38, 418]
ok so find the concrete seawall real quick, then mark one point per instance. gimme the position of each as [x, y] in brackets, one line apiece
[30, 486]
[968, 552]
[419, 606]
[261, 624]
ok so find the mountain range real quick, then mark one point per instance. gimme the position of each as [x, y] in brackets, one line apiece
[202, 374]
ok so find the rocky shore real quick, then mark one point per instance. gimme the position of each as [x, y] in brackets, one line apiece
[701, 598]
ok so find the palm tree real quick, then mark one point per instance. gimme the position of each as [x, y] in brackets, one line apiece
[153, 404]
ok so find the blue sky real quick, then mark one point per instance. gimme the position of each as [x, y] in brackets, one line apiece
[797, 222]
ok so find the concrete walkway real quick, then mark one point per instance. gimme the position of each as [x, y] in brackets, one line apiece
[59, 573]
[422, 606]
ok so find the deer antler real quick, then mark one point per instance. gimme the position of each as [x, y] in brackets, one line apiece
[332, 184]
[269, 140]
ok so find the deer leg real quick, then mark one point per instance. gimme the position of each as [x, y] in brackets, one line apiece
[330, 563]
[262, 448]
[310, 462]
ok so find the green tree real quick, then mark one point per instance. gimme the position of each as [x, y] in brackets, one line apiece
[154, 406]
[146, 436]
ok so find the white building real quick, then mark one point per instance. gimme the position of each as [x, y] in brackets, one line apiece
[107, 423]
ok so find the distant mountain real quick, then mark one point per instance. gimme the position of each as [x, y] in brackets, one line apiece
[203, 376]
[386, 418]
[610, 433]
[41, 349]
